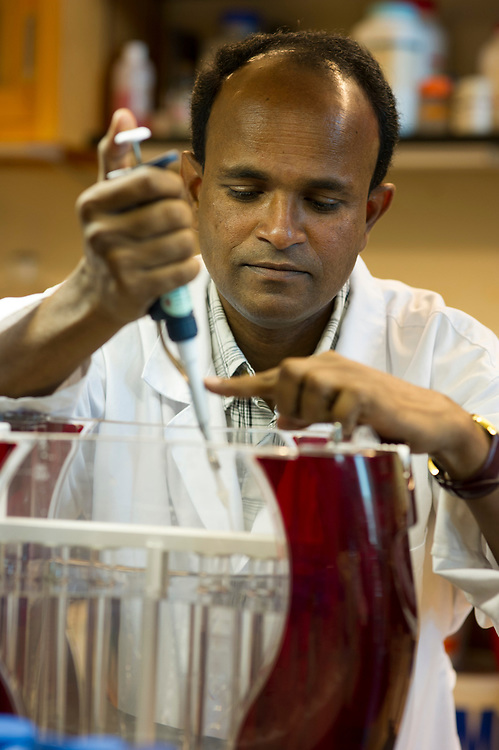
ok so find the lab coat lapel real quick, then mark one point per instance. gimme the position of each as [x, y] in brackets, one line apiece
[363, 329]
[160, 373]
[192, 489]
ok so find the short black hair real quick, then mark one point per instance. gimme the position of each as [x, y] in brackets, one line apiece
[313, 49]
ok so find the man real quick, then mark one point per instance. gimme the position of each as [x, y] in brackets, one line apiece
[292, 137]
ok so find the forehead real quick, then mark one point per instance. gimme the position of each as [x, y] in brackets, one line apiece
[272, 106]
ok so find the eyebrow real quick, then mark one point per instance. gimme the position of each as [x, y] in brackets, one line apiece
[245, 173]
[249, 173]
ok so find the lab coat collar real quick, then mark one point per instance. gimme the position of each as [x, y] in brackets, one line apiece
[363, 329]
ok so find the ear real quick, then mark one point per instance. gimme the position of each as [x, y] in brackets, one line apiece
[191, 172]
[378, 203]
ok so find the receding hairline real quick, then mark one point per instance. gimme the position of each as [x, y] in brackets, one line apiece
[298, 57]
[327, 69]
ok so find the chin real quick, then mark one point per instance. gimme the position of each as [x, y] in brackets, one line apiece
[273, 321]
[266, 312]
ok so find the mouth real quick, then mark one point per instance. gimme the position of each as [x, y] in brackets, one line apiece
[276, 271]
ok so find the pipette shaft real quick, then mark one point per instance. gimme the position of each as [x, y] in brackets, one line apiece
[175, 308]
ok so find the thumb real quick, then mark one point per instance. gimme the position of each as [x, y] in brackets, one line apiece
[111, 155]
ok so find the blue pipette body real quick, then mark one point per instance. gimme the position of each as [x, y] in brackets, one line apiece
[175, 308]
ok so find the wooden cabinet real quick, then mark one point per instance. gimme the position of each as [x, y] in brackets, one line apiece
[28, 64]
[52, 59]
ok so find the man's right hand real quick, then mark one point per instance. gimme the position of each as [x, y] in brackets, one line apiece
[139, 243]
[137, 228]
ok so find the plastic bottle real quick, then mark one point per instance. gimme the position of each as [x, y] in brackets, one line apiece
[133, 78]
[172, 119]
[488, 65]
[437, 44]
[434, 110]
[471, 113]
[396, 36]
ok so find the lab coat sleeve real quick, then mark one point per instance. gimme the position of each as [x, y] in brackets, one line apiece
[469, 373]
[73, 396]
[461, 555]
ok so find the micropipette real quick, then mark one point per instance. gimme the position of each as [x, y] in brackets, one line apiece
[175, 308]
[133, 136]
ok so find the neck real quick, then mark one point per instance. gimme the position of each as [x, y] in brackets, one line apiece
[267, 347]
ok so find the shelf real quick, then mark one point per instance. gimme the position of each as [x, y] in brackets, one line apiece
[414, 154]
[447, 154]
[33, 153]
[417, 153]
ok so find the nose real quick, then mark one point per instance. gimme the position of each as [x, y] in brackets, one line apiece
[280, 222]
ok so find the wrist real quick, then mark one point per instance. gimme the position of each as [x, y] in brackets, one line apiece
[484, 479]
[92, 299]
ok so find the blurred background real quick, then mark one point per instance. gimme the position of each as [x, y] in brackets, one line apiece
[65, 64]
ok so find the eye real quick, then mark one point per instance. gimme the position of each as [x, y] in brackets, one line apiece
[244, 194]
[323, 206]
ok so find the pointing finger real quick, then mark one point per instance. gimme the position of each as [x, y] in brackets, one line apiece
[262, 384]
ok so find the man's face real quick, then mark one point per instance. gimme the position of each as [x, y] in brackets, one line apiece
[282, 204]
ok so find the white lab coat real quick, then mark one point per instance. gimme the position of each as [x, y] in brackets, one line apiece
[394, 328]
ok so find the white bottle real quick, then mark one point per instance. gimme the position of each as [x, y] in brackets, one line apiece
[133, 78]
[395, 35]
[472, 107]
[488, 65]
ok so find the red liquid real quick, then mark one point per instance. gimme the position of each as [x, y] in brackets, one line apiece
[6, 704]
[341, 677]
[5, 449]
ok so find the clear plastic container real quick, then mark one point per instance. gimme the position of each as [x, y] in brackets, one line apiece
[252, 591]
[132, 599]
